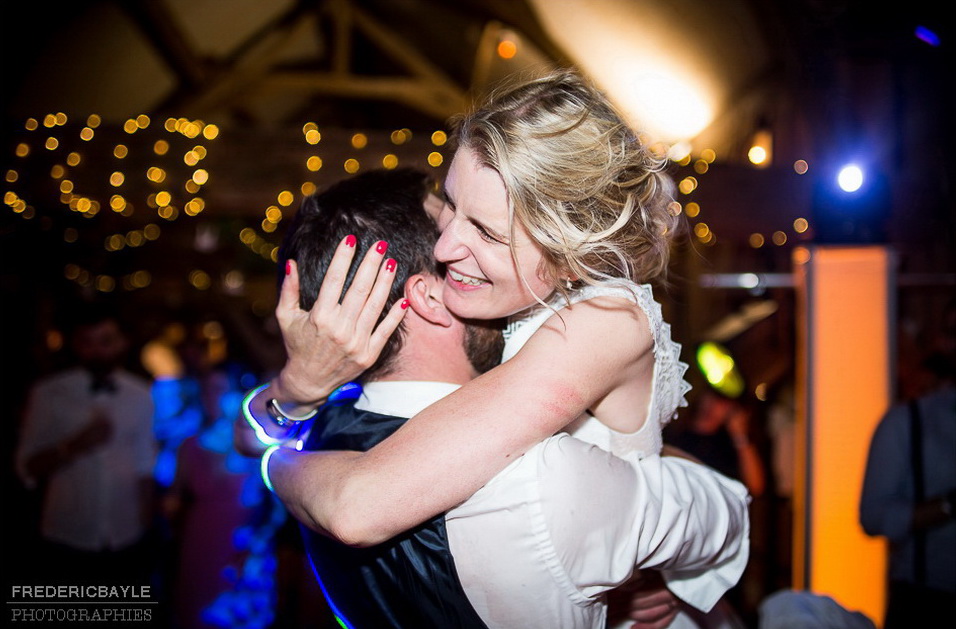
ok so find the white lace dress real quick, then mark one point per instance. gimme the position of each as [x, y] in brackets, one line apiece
[668, 389]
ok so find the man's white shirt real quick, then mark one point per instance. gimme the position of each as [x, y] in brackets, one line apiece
[93, 502]
[540, 544]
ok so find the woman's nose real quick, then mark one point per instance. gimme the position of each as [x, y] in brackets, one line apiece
[450, 247]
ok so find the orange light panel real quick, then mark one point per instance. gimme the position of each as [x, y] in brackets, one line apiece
[845, 298]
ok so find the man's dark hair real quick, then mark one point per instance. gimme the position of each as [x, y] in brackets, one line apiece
[375, 205]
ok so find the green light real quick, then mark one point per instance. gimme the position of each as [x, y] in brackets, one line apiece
[719, 369]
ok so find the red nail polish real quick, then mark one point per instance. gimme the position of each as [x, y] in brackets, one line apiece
[404, 304]
[288, 267]
[350, 241]
[390, 265]
[381, 247]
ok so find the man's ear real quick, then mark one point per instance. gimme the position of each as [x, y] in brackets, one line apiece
[423, 293]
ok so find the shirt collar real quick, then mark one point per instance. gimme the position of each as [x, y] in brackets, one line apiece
[402, 398]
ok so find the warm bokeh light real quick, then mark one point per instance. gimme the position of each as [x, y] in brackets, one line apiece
[756, 241]
[439, 138]
[801, 225]
[351, 166]
[507, 49]
[779, 238]
[757, 155]
[285, 199]
[51, 143]
[435, 159]
[117, 179]
[390, 161]
[314, 163]
[273, 214]
[120, 151]
[200, 279]
[86, 134]
[687, 185]
[200, 176]
[156, 174]
[801, 167]
[692, 209]
[359, 140]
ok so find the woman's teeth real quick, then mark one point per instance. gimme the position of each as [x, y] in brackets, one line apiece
[465, 279]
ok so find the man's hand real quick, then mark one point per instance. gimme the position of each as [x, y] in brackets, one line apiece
[644, 599]
[334, 342]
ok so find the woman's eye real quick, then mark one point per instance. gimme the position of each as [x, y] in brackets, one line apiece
[485, 235]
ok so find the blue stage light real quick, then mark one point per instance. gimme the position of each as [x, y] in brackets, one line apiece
[850, 178]
[924, 34]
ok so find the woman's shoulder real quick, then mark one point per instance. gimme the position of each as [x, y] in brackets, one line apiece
[603, 306]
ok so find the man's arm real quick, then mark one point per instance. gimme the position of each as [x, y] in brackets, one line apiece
[887, 507]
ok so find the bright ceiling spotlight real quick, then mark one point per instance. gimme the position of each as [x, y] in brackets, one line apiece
[850, 178]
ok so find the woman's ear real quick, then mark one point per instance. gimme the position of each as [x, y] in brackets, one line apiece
[423, 293]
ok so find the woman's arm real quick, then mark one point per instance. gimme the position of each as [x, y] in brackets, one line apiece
[443, 455]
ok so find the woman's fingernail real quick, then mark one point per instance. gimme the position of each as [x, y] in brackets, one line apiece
[381, 246]
[350, 241]
[288, 267]
[390, 265]
[404, 304]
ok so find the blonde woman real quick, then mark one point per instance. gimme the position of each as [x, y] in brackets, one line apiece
[555, 216]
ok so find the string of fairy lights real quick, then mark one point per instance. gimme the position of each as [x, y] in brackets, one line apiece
[705, 235]
[172, 167]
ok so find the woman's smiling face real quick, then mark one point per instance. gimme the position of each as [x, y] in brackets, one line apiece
[482, 280]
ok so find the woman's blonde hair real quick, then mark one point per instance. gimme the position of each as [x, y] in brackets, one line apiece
[585, 187]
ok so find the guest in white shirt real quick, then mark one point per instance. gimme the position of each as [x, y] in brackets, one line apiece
[87, 440]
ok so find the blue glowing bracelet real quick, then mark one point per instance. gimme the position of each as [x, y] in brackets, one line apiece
[264, 466]
[261, 434]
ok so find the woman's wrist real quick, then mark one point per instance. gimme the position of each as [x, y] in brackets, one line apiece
[296, 394]
[272, 426]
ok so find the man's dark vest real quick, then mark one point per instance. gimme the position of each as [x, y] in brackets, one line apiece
[409, 581]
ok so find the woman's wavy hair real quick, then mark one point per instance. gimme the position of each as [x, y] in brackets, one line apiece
[587, 189]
